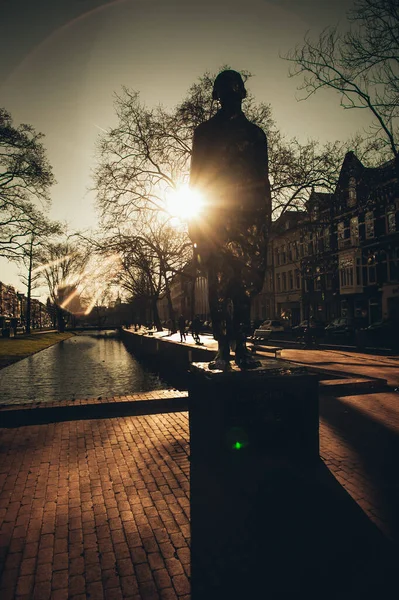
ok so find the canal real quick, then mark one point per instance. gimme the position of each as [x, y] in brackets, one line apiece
[88, 365]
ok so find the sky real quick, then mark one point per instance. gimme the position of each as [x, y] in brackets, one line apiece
[62, 61]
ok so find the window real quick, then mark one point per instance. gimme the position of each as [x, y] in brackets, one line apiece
[327, 244]
[393, 265]
[371, 269]
[290, 252]
[318, 280]
[296, 250]
[278, 282]
[283, 255]
[284, 282]
[369, 224]
[341, 234]
[391, 219]
[359, 271]
[352, 192]
[297, 279]
[371, 274]
[354, 230]
[277, 256]
[346, 271]
[291, 280]
[306, 249]
[312, 244]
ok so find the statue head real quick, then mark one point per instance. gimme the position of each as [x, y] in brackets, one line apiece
[228, 86]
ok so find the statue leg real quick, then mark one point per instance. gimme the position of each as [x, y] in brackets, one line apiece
[242, 328]
[221, 319]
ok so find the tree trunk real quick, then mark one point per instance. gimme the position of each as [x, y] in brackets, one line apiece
[192, 297]
[28, 299]
[60, 319]
[155, 313]
[171, 311]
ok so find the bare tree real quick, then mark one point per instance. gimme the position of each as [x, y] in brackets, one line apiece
[150, 256]
[149, 151]
[61, 265]
[25, 179]
[39, 234]
[361, 64]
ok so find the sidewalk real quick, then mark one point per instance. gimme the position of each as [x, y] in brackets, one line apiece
[99, 508]
[352, 363]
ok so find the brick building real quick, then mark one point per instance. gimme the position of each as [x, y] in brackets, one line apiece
[13, 305]
[351, 246]
[340, 256]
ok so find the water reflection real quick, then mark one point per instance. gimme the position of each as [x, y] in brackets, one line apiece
[88, 365]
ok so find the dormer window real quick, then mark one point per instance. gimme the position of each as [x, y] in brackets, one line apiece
[352, 192]
[354, 231]
[391, 219]
[369, 224]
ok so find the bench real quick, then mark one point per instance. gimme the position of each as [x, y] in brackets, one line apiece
[259, 337]
[276, 350]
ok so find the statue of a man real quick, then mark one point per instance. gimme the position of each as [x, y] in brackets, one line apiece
[229, 167]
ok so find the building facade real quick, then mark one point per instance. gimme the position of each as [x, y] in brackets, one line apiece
[13, 304]
[351, 243]
[285, 252]
[340, 257]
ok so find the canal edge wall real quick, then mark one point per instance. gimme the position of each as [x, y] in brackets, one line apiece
[164, 353]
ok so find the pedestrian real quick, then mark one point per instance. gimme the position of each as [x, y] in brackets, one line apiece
[170, 326]
[196, 328]
[182, 328]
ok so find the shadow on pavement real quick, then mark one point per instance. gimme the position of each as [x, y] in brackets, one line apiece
[288, 533]
[376, 446]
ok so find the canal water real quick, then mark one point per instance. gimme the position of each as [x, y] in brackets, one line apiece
[88, 365]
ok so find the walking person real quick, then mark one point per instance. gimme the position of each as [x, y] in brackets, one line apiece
[196, 328]
[182, 328]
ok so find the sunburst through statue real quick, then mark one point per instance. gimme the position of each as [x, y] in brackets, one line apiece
[184, 203]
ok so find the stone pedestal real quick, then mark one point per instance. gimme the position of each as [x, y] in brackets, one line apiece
[267, 518]
[269, 413]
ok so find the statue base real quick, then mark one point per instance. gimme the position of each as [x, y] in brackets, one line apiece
[268, 520]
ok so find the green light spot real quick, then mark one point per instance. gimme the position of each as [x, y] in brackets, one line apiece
[237, 445]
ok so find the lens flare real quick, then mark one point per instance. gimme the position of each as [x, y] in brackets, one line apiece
[69, 299]
[184, 203]
[52, 263]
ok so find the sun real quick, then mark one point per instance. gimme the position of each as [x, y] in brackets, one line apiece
[184, 203]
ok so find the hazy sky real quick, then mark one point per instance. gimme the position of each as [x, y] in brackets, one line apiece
[62, 60]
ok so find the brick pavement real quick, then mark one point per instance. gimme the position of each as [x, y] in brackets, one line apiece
[96, 509]
[154, 395]
[100, 508]
[359, 442]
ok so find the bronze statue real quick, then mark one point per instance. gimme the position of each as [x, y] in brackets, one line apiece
[229, 166]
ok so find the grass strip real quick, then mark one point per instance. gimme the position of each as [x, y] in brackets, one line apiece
[14, 349]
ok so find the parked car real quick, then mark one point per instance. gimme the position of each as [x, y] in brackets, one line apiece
[272, 325]
[342, 327]
[383, 333]
[316, 326]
